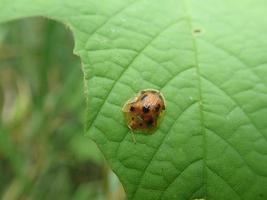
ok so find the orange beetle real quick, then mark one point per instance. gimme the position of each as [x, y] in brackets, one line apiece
[143, 112]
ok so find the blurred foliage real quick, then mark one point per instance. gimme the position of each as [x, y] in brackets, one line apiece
[43, 152]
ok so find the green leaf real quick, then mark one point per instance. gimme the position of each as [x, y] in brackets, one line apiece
[208, 58]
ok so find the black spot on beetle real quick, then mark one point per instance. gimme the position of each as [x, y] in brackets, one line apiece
[132, 118]
[157, 108]
[140, 124]
[143, 97]
[150, 122]
[132, 109]
[146, 109]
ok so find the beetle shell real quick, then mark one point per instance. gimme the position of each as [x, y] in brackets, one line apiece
[144, 111]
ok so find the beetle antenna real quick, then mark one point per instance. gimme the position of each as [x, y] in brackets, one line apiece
[132, 133]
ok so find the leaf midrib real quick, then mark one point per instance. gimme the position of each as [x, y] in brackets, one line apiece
[200, 101]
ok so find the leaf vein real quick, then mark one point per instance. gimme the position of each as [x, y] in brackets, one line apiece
[178, 175]
[238, 104]
[228, 184]
[235, 56]
[232, 147]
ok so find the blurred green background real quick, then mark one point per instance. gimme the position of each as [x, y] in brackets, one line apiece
[43, 151]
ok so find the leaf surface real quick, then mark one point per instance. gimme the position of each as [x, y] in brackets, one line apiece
[208, 58]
